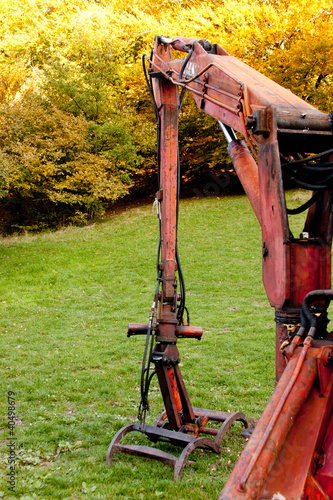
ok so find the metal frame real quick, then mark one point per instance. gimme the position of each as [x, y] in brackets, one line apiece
[188, 438]
[290, 451]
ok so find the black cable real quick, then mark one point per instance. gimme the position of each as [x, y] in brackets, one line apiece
[188, 57]
[146, 377]
[158, 119]
[146, 361]
[311, 175]
[309, 187]
[187, 315]
[309, 158]
[182, 97]
[181, 307]
[308, 174]
[306, 205]
[320, 167]
[180, 312]
[313, 172]
[307, 316]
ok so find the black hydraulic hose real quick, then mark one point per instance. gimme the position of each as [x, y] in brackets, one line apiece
[307, 316]
[310, 187]
[309, 175]
[187, 315]
[182, 96]
[146, 377]
[320, 167]
[182, 69]
[149, 85]
[313, 176]
[306, 205]
[309, 158]
[181, 308]
[158, 119]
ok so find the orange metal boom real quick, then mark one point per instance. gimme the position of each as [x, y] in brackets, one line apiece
[290, 451]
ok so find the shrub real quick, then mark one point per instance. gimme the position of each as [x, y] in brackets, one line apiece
[51, 172]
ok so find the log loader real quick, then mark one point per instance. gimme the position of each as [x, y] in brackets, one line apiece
[290, 452]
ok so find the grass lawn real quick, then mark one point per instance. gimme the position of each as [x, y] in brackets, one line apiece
[66, 299]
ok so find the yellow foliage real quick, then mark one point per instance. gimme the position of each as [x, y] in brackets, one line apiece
[46, 156]
[275, 36]
[83, 58]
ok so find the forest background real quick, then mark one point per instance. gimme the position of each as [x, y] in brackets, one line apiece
[77, 128]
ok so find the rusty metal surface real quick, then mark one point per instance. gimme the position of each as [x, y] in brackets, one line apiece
[180, 424]
[324, 470]
[275, 229]
[181, 331]
[313, 490]
[225, 88]
[290, 450]
[273, 121]
[247, 171]
[301, 445]
[280, 452]
[188, 438]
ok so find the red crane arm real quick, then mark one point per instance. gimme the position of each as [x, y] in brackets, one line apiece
[230, 90]
[282, 131]
[290, 450]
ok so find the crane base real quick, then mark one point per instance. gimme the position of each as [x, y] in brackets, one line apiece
[187, 437]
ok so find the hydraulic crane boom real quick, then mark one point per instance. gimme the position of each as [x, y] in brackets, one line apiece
[282, 136]
[273, 122]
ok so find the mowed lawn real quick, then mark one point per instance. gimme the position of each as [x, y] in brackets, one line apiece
[66, 299]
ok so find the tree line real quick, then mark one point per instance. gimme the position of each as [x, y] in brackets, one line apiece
[77, 129]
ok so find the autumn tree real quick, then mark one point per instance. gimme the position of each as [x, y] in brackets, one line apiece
[76, 64]
[53, 174]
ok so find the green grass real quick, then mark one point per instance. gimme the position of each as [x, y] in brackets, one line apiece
[66, 299]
